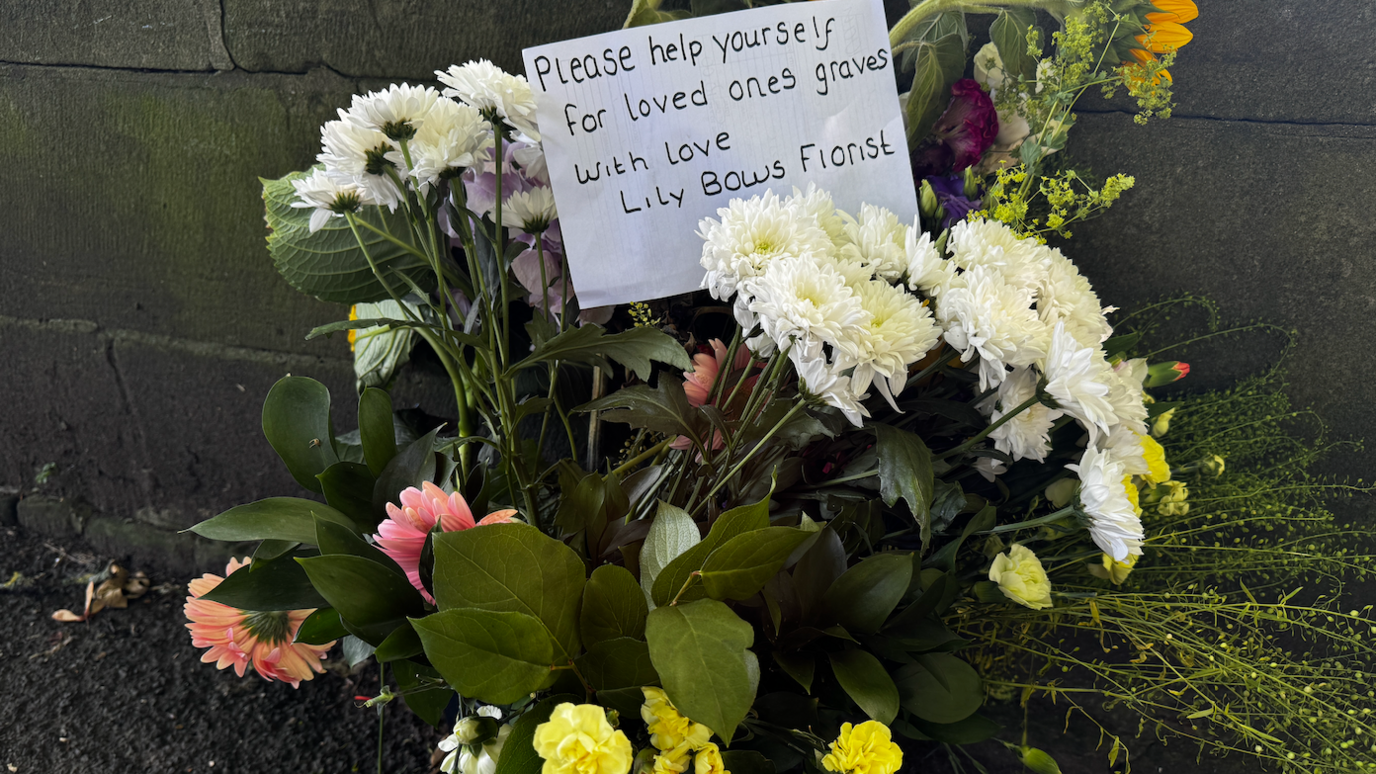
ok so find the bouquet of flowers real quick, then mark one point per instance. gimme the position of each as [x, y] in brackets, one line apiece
[871, 445]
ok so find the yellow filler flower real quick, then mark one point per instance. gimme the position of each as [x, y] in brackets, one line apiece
[669, 729]
[864, 749]
[577, 739]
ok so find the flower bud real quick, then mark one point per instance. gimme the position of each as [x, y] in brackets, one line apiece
[972, 180]
[1162, 425]
[1161, 374]
[1213, 465]
[475, 730]
[1061, 492]
[1112, 570]
[927, 202]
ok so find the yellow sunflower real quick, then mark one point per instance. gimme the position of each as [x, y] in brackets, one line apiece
[1165, 30]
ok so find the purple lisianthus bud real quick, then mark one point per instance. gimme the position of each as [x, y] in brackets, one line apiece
[962, 134]
[950, 194]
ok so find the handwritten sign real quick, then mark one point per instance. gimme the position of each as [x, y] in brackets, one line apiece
[650, 129]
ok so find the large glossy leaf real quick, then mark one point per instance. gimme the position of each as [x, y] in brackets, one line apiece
[275, 585]
[335, 539]
[644, 12]
[867, 682]
[381, 351]
[823, 563]
[494, 657]
[372, 600]
[737, 521]
[672, 533]
[634, 349]
[413, 466]
[905, 471]
[662, 409]
[513, 568]
[276, 518]
[348, 488]
[1008, 32]
[296, 421]
[742, 565]
[422, 695]
[937, 50]
[402, 643]
[939, 688]
[619, 663]
[862, 598]
[376, 430]
[321, 627]
[329, 264]
[701, 651]
[613, 606]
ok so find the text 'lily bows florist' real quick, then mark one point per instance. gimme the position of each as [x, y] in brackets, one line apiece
[649, 129]
[883, 486]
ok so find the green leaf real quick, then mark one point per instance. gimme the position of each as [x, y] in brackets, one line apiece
[710, 7]
[742, 565]
[701, 651]
[799, 666]
[276, 585]
[975, 728]
[618, 663]
[634, 349]
[335, 539]
[671, 533]
[494, 657]
[418, 689]
[372, 600]
[868, 683]
[862, 598]
[328, 264]
[513, 568]
[613, 606]
[518, 754]
[1008, 32]
[662, 409]
[737, 521]
[823, 563]
[939, 688]
[746, 762]
[321, 627]
[356, 651]
[296, 421]
[269, 550]
[376, 430]
[645, 12]
[381, 351]
[412, 467]
[403, 642]
[348, 488]
[905, 471]
[938, 55]
[276, 518]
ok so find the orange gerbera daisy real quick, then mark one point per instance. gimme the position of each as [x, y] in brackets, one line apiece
[244, 638]
[1165, 30]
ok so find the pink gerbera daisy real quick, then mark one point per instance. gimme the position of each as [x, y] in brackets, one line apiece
[244, 637]
[699, 382]
[402, 535]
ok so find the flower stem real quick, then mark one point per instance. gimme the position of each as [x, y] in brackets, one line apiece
[382, 679]
[641, 457]
[981, 435]
[776, 428]
[1037, 522]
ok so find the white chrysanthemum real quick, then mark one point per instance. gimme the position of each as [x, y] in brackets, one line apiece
[817, 203]
[752, 233]
[878, 240]
[899, 332]
[452, 138]
[927, 270]
[1125, 447]
[330, 195]
[1079, 379]
[989, 468]
[854, 270]
[461, 758]
[356, 152]
[1028, 434]
[397, 111]
[1065, 295]
[1113, 522]
[491, 89]
[824, 382]
[990, 243]
[805, 300]
[983, 315]
[530, 211]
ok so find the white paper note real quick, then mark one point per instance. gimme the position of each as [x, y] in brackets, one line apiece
[648, 130]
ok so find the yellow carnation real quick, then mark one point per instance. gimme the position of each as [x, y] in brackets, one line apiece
[668, 728]
[668, 763]
[1170, 498]
[1113, 570]
[1158, 470]
[1130, 491]
[865, 749]
[577, 739]
[709, 761]
[1021, 577]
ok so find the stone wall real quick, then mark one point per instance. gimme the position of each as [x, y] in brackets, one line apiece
[143, 323]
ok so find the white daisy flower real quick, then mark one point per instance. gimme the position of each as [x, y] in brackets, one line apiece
[1113, 522]
[806, 300]
[452, 138]
[530, 211]
[927, 271]
[330, 195]
[983, 315]
[990, 243]
[1028, 434]
[1125, 447]
[821, 380]
[359, 153]
[397, 111]
[1065, 295]
[752, 233]
[899, 332]
[493, 91]
[817, 203]
[1079, 379]
[877, 239]
[1127, 396]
